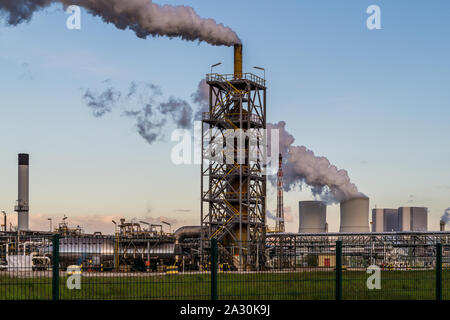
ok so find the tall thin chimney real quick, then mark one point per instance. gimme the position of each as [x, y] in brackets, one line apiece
[280, 205]
[22, 205]
[238, 61]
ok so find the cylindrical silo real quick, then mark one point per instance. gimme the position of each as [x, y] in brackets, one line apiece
[355, 215]
[312, 217]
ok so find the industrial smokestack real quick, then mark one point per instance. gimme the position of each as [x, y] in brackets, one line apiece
[280, 205]
[238, 61]
[22, 206]
[446, 216]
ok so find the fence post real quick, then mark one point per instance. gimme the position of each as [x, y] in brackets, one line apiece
[338, 270]
[55, 275]
[213, 269]
[438, 271]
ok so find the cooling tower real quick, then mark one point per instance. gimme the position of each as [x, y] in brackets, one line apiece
[312, 216]
[355, 215]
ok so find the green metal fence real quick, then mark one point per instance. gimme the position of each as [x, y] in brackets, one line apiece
[88, 268]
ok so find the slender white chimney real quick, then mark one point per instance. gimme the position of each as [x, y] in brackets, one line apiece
[22, 205]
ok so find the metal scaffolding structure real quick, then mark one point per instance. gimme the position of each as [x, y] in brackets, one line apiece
[233, 186]
[280, 206]
[399, 250]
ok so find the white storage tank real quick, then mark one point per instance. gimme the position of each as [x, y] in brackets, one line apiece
[312, 217]
[355, 215]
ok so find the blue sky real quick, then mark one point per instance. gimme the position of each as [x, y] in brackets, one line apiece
[375, 102]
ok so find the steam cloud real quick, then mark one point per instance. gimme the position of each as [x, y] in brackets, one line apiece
[301, 165]
[287, 214]
[150, 116]
[271, 216]
[144, 17]
[446, 216]
[200, 97]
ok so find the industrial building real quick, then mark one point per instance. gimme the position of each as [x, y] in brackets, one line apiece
[385, 220]
[233, 209]
[413, 218]
[401, 219]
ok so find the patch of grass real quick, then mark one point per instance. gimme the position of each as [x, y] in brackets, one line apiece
[285, 286]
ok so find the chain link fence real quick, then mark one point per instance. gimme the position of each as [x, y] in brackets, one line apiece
[283, 267]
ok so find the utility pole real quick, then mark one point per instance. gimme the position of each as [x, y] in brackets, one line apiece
[4, 221]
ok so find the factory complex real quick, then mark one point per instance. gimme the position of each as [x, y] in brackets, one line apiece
[233, 212]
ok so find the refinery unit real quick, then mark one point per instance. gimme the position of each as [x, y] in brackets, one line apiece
[233, 211]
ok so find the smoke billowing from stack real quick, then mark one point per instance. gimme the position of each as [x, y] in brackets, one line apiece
[446, 216]
[144, 17]
[328, 183]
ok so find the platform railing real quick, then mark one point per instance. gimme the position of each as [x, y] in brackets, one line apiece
[230, 77]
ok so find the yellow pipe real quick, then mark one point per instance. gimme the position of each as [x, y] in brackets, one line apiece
[238, 61]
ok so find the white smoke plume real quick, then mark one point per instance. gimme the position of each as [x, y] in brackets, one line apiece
[301, 165]
[200, 97]
[446, 216]
[144, 17]
[287, 214]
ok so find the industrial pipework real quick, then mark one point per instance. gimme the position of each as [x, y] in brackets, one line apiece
[22, 205]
